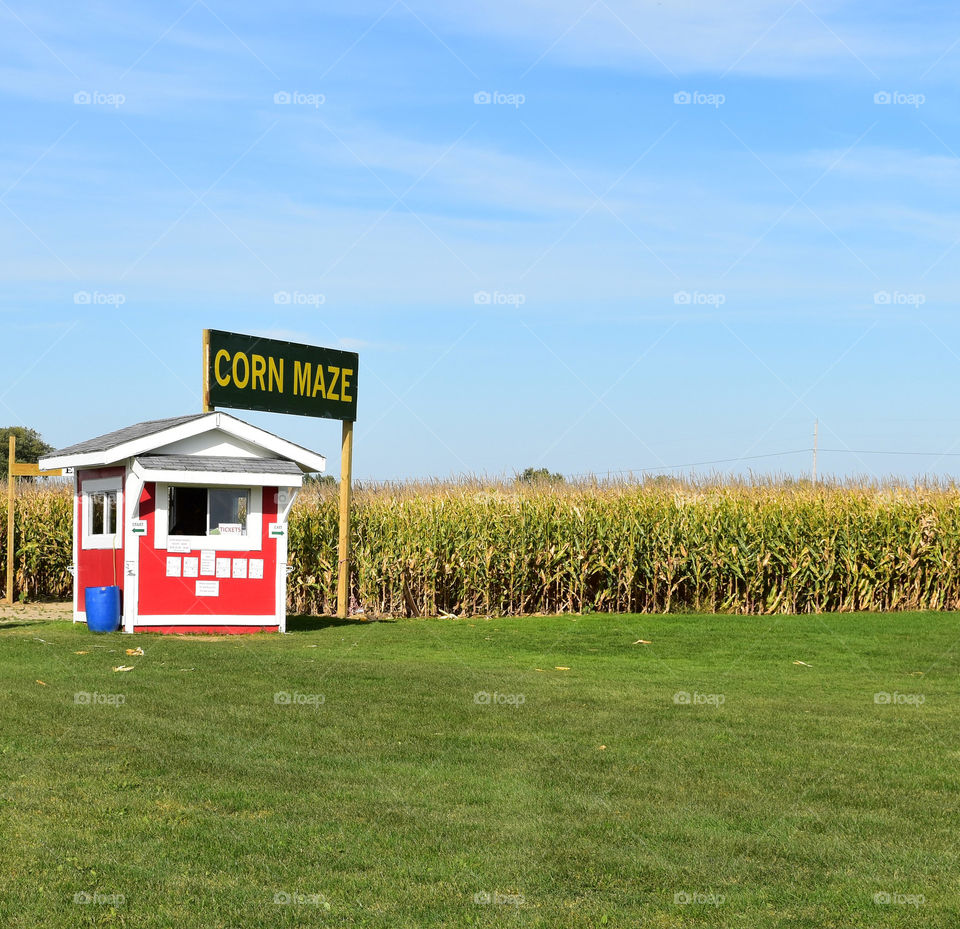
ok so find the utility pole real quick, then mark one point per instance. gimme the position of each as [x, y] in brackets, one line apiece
[816, 429]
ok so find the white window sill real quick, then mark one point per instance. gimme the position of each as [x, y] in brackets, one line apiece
[101, 542]
[220, 543]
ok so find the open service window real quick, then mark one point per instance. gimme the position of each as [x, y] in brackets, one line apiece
[102, 507]
[227, 518]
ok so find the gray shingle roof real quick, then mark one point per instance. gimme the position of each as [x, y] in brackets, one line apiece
[218, 463]
[110, 440]
[151, 436]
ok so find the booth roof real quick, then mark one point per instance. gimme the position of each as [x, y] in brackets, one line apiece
[149, 438]
[218, 463]
[103, 443]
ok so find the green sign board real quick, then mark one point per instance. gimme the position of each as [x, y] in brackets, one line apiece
[251, 373]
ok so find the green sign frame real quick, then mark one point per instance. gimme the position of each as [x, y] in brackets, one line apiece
[248, 372]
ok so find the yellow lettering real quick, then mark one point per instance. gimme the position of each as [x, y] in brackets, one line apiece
[246, 370]
[345, 385]
[259, 369]
[221, 380]
[318, 385]
[276, 375]
[301, 378]
[331, 393]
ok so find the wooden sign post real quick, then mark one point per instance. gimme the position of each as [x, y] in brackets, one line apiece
[26, 469]
[343, 549]
[252, 373]
[11, 497]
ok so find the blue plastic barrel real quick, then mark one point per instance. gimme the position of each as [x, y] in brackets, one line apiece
[103, 608]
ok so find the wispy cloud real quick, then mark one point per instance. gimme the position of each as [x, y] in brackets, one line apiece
[761, 37]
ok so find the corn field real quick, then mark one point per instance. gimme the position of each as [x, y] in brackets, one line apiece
[475, 548]
[41, 544]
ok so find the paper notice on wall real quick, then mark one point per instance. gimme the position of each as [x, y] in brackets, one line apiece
[179, 545]
[256, 568]
[191, 567]
[173, 567]
[208, 589]
[223, 567]
[138, 527]
[240, 567]
[208, 563]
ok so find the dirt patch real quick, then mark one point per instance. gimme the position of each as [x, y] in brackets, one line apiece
[35, 612]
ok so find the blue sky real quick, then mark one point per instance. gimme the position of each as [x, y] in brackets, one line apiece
[674, 234]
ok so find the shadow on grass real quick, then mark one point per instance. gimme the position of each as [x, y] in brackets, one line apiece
[312, 623]
[23, 622]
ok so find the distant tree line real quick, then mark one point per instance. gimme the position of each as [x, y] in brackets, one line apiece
[30, 446]
[539, 476]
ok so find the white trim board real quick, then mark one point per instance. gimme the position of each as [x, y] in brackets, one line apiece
[265, 619]
[216, 478]
[131, 552]
[203, 619]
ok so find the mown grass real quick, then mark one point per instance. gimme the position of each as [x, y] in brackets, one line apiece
[589, 797]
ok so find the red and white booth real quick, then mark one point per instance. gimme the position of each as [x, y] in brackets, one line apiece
[188, 516]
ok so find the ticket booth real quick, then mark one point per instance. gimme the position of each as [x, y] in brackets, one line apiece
[188, 516]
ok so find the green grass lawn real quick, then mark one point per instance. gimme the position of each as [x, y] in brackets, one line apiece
[388, 793]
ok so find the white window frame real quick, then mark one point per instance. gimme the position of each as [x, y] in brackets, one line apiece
[87, 490]
[251, 542]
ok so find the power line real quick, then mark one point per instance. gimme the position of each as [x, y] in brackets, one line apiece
[798, 451]
[854, 451]
[692, 464]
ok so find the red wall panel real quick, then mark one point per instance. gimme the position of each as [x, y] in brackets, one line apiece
[176, 596]
[94, 568]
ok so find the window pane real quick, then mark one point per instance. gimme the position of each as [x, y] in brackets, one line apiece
[96, 514]
[228, 512]
[188, 510]
[110, 514]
